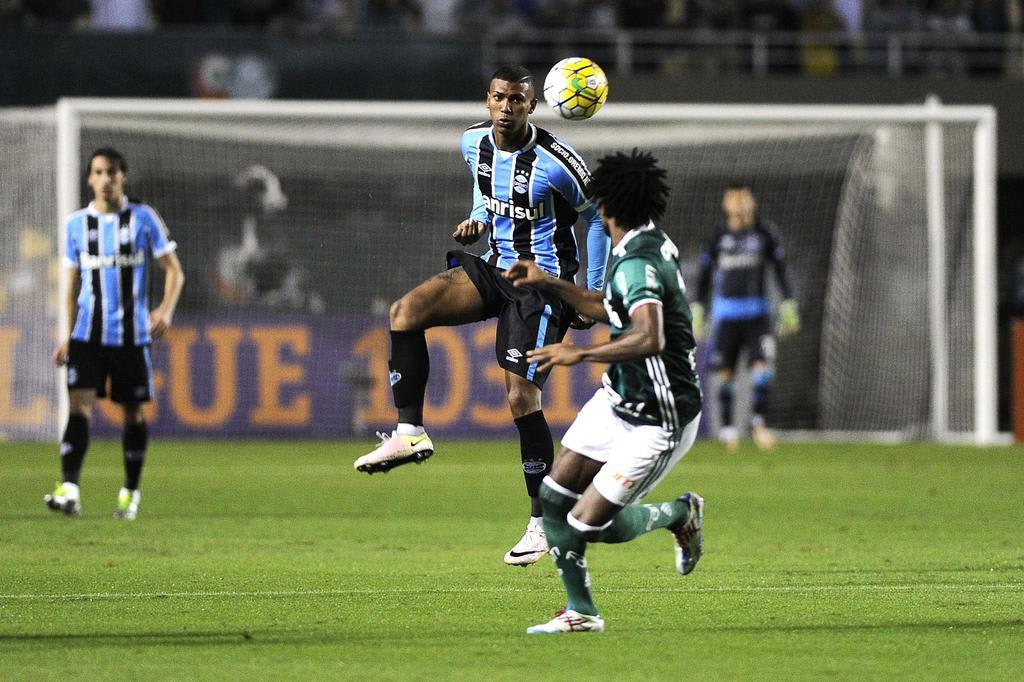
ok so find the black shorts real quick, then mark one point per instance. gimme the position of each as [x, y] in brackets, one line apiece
[527, 317]
[129, 368]
[730, 337]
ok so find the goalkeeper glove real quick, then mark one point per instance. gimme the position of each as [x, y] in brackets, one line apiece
[697, 313]
[789, 318]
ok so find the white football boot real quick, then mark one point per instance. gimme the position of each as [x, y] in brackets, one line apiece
[730, 437]
[65, 498]
[395, 450]
[567, 620]
[763, 438]
[531, 547]
[127, 504]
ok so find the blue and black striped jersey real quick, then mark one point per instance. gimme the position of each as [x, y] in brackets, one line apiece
[530, 199]
[112, 251]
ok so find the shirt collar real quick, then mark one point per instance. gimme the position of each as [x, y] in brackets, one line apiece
[620, 250]
[530, 143]
[96, 212]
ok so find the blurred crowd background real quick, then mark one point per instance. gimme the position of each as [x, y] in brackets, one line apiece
[446, 16]
[946, 38]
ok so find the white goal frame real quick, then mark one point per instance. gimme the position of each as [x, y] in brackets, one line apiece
[931, 114]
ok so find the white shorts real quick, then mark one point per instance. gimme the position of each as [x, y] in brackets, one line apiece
[635, 458]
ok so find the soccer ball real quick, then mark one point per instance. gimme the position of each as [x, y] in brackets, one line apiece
[576, 88]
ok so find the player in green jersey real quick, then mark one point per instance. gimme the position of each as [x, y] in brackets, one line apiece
[644, 418]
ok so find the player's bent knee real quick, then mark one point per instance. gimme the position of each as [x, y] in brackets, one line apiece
[403, 314]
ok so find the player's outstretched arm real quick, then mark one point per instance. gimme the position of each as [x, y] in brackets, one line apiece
[174, 279]
[645, 338]
[468, 231]
[587, 303]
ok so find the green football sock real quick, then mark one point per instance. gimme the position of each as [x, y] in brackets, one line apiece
[636, 519]
[567, 548]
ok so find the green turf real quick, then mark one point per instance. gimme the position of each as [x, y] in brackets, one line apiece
[277, 560]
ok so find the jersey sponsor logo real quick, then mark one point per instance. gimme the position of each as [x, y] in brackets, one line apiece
[506, 209]
[736, 261]
[573, 162]
[513, 355]
[87, 261]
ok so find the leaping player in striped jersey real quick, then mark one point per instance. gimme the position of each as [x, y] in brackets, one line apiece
[109, 246]
[529, 189]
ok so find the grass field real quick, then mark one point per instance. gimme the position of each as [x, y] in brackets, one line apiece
[276, 560]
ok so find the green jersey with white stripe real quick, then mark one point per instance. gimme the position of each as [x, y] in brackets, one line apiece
[664, 389]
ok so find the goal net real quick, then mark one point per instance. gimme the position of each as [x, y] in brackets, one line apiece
[298, 224]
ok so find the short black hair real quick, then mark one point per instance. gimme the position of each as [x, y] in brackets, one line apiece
[512, 73]
[110, 154]
[630, 188]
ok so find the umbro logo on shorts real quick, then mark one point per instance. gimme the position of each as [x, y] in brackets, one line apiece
[513, 355]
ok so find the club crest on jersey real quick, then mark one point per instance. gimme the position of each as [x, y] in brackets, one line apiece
[507, 209]
[521, 184]
[124, 234]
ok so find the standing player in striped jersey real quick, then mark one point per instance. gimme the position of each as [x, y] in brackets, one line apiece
[108, 248]
[645, 417]
[529, 188]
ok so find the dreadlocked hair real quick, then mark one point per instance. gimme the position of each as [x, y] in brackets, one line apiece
[630, 188]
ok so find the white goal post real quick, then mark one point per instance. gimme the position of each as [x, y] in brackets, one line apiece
[877, 184]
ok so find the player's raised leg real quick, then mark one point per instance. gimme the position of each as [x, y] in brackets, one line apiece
[447, 299]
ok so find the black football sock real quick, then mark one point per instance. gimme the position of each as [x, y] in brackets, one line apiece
[762, 381]
[73, 447]
[538, 453]
[134, 441]
[410, 367]
[726, 392]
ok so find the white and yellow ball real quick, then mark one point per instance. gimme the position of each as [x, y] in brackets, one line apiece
[576, 88]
